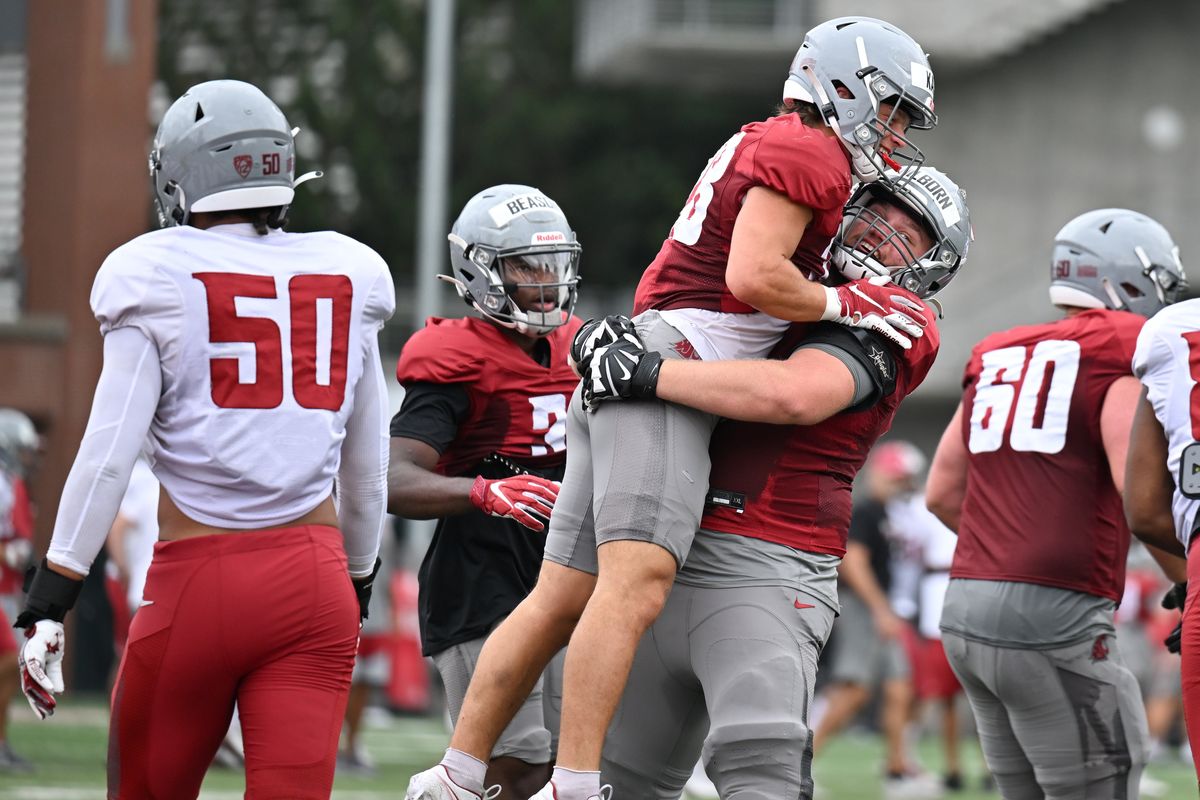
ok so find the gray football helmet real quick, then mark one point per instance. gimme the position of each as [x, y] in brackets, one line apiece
[512, 246]
[223, 145]
[1118, 259]
[17, 437]
[931, 197]
[877, 63]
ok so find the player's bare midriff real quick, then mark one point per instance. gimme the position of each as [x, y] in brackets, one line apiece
[174, 525]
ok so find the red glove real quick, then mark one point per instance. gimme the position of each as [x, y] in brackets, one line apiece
[526, 498]
[876, 304]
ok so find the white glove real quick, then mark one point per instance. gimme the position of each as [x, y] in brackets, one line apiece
[40, 660]
[876, 304]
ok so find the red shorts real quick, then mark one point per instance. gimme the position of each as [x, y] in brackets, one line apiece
[1191, 655]
[266, 619]
[937, 680]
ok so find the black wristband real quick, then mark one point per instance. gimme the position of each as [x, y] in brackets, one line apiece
[48, 595]
[645, 376]
[363, 587]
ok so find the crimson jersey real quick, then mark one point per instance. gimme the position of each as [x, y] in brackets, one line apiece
[518, 408]
[782, 154]
[795, 482]
[1040, 505]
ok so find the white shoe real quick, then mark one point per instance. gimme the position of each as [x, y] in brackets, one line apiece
[436, 784]
[548, 792]
[1152, 787]
[920, 785]
[699, 786]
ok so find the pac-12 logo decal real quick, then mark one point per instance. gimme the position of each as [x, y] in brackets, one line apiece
[243, 164]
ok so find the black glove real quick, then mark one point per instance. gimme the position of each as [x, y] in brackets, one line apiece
[1175, 597]
[594, 334]
[623, 369]
[362, 590]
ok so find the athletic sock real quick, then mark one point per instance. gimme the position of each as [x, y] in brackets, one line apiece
[465, 770]
[572, 784]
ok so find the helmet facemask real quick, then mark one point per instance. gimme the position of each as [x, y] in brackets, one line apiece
[868, 245]
[531, 290]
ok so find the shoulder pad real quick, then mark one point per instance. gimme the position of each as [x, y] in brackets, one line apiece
[444, 351]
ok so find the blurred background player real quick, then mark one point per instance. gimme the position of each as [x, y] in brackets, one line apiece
[931, 545]
[870, 640]
[1029, 473]
[18, 452]
[480, 443]
[736, 268]
[131, 547]
[732, 660]
[247, 359]
[1161, 495]
[372, 663]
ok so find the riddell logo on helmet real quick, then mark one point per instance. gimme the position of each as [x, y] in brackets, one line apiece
[549, 237]
[243, 164]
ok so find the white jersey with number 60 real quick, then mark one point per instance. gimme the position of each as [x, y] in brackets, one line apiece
[246, 324]
[1167, 361]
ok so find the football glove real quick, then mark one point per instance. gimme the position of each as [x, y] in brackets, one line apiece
[40, 661]
[622, 369]
[878, 305]
[1176, 597]
[526, 498]
[596, 333]
[362, 589]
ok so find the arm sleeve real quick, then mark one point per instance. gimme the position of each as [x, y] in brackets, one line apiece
[432, 413]
[864, 353]
[362, 477]
[124, 405]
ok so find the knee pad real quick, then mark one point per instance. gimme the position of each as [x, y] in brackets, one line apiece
[768, 758]
[627, 781]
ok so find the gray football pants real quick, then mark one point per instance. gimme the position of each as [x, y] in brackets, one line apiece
[736, 665]
[1063, 724]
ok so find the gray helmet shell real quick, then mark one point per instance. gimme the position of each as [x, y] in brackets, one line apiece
[933, 198]
[515, 228]
[877, 62]
[1117, 259]
[17, 435]
[223, 145]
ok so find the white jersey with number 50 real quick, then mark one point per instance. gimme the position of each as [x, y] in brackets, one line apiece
[246, 324]
[1167, 361]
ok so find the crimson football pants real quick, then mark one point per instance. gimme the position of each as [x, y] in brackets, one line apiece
[266, 619]
[1190, 654]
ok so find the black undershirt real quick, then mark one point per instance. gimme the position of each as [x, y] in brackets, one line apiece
[478, 567]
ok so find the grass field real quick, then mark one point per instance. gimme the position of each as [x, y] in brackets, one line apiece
[69, 754]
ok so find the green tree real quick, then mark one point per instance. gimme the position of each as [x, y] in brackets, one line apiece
[619, 160]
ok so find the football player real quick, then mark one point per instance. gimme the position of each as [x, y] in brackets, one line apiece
[18, 448]
[1029, 474]
[734, 271]
[245, 359]
[1161, 492]
[732, 660]
[479, 444]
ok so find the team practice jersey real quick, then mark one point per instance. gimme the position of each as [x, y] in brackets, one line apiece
[243, 323]
[1040, 504]
[489, 409]
[782, 154]
[1167, 361]
[792, 485]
